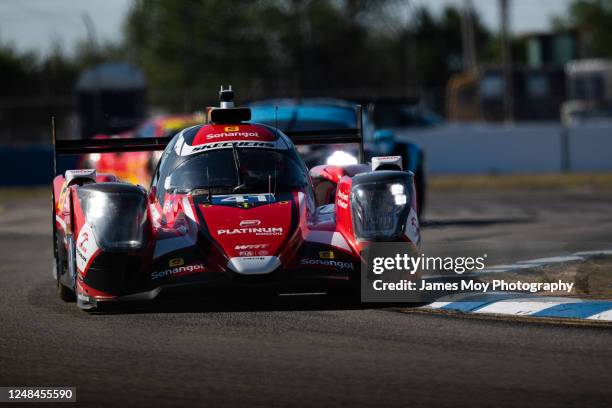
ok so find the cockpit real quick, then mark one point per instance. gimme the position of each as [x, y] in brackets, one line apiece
[239, 170]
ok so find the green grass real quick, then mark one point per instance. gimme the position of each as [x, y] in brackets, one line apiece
[593, 181]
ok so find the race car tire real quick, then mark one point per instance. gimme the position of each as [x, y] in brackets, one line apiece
[420, 186]
[420, 179]
[65, 293]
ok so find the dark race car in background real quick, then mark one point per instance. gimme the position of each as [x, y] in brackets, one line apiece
[293, 115]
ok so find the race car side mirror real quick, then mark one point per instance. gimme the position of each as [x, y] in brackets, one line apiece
[152, 194]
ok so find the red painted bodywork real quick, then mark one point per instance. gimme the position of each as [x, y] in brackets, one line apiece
[231, 133]
[290, 227]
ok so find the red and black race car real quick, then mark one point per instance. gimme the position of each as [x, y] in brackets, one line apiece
[231, 204]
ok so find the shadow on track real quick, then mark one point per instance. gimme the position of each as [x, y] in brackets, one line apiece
[205, 303]
[193, 301]
[437, 223]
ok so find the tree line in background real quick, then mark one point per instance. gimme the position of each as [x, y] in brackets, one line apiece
[272, 47]
[346, 48]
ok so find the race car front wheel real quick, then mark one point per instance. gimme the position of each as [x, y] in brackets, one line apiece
[421, 187]
[67, 295]
[61, 266]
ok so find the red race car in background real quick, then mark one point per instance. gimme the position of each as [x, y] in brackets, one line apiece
[231, 204]
[137, 167]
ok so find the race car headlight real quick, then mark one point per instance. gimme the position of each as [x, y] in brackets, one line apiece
[380, 204]
[341, 158]
[116, 219]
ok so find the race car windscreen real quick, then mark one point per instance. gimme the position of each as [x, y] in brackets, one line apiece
[239, 170]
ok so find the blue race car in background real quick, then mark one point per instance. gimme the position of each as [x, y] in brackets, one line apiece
[336, 114]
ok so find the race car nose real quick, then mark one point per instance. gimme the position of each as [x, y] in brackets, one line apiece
[252, 236]
[253, 265]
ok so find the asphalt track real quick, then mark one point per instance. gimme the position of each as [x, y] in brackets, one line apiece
[311, 351]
